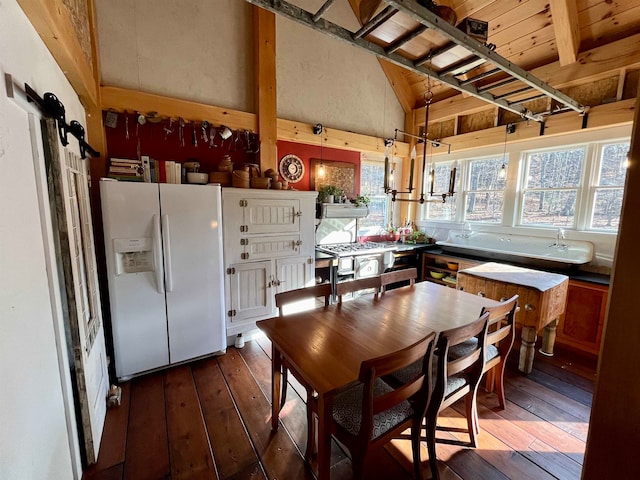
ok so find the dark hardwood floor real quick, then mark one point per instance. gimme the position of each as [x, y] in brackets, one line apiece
[211, 420]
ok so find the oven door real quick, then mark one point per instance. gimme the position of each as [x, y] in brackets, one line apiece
[369, 265]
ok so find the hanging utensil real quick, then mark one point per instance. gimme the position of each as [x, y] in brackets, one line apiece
[252, 146]
[111, 118]
[141, 121]
[212, 137]
[204, 126]
[194, 136]
[126, 126]
[233, 142]
[168, 130]
[181, 132]
[153, 117]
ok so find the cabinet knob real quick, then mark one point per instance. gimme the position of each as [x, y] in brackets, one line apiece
[529, 308]
[482, 294]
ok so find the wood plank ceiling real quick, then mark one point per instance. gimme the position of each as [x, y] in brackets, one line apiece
[532, 34]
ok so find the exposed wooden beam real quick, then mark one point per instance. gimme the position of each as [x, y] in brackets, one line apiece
[121, 99]
[567, 30]
[51, 21]
[264, 32]
[430, 19]
[596, 64]
[292, 131]
[601, 116]
[394, 74]
[94, 124]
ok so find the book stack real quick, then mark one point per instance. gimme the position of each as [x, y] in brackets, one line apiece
[166, 171]
[126, 169]
[146, 170]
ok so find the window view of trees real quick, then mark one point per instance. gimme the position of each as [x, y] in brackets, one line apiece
[437, 210]
[551, 187]
[609, 188]
[484, 197]
[371, 185]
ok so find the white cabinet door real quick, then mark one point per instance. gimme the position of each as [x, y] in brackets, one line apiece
[263, 248]
[271, 215]
[296, 272]
[251, 291]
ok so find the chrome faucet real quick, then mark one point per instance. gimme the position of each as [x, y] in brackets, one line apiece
[560, 235]
[466, 231]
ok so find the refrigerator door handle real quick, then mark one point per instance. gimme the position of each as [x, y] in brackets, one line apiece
[158, 271]
[166, 241]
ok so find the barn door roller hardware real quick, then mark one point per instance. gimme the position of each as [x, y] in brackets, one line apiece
[50, 106]
[481, 54]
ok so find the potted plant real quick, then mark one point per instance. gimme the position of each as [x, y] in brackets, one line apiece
[392, 233]
[329, 193]
[361, 201]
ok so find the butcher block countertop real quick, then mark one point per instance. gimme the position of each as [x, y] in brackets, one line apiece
[541, 281]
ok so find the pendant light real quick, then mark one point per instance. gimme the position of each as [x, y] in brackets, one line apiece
[509, 128]
[317, 130]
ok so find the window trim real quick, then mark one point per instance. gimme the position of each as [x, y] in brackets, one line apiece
[467, 180]
[379, 161]
[516, 150]
[594, 180]
[579, 205]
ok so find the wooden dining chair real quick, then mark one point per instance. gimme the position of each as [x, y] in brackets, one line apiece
[342, 288]
[499, 341]
[455, 379]
[286, 298]
[371, 413]
[398, 276]
[299, 294]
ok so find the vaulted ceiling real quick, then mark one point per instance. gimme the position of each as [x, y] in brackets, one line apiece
[587, 49]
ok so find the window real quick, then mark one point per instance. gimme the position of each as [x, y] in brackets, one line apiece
[437, 210]
[609, 186]
[551, 183]
[484, 196]
[371, 185]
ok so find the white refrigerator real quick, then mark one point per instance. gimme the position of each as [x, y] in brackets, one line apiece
[163, 246]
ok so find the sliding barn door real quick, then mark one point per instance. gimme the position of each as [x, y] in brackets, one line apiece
[69, 190]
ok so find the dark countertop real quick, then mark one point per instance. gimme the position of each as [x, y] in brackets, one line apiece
[572, 273]
[406, 247]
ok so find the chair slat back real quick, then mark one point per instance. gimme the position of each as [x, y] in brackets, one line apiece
[285, 298]
[343, 288]
[398, 276]
[501, 320]
[472, 362]
[418, 387]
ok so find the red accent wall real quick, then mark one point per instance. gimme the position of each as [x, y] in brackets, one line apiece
[151, 139]
[307, 152]
[155, 143]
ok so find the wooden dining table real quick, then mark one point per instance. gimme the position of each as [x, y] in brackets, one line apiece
[326, 346]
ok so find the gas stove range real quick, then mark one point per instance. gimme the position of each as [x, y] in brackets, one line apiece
[355, 248]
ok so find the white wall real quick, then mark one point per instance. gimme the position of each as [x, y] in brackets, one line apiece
[199, 50]
[34, 438]
[321, 79]
[203, 51]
